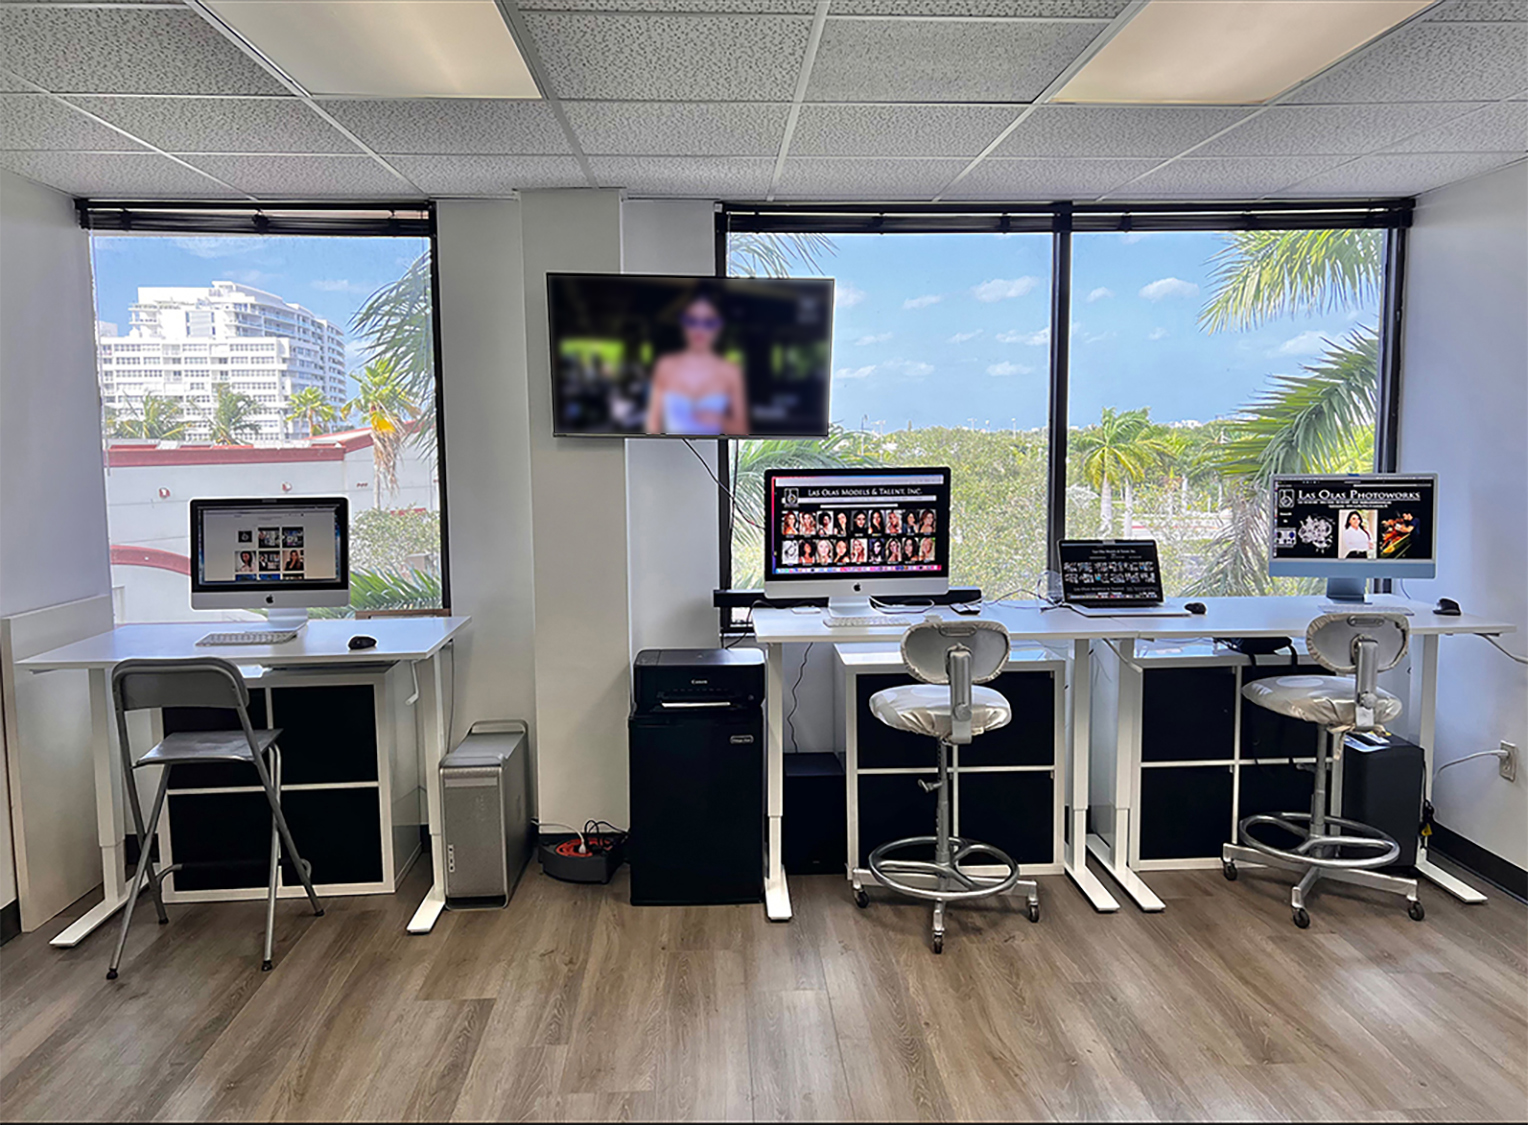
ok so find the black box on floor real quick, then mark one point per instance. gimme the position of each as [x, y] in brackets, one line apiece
[815, 832]
[1382, 787]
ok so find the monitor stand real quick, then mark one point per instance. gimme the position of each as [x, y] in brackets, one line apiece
[1347, 592]
[851, 607]
[278, 620]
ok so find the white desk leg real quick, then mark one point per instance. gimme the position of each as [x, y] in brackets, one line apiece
[777, 896]
[1076, 859]
[1117, 859]
[1122, 873]
[1426, 702]
[109, 818]
[435, 735]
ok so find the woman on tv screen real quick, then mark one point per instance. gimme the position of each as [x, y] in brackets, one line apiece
[696, 391]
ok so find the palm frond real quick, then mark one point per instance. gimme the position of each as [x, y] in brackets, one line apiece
[1260, 275]
[396, 324]
[776, 255]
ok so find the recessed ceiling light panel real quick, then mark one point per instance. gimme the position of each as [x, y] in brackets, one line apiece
[385, 48]
[1228, 52]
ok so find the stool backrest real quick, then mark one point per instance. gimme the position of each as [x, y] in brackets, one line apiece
[1361, 645]
[958, 653]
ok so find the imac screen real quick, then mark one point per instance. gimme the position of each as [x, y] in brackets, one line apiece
[296, 543]
[891, 523]
[1353, 518]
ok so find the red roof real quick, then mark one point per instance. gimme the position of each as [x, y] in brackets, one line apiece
[325, 447]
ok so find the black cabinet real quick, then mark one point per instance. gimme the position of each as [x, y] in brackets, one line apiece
[1185, 812]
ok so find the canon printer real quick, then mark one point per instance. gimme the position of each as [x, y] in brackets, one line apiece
[667, 679]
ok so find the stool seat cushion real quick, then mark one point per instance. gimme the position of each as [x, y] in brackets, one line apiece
[186, 747]
[925, 709]
[1324, 700]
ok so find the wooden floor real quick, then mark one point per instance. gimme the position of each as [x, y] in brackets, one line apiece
[573, 1004]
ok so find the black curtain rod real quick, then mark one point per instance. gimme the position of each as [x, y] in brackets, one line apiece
[222, 217]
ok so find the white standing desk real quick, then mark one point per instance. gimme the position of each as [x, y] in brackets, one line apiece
[1281, 617]
[1057, 628]
[322, 643]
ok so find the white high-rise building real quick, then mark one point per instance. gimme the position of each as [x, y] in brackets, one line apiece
[183, 341]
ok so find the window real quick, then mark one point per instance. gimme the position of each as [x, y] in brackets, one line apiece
[362, 422]
[1206, 348]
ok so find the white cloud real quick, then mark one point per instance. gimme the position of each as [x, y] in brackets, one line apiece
[915, 369]
[1131, 237]
[1005, 368]
[338, 285]
[1033, 339]
[250, 277]
[878, 338]
[214, 246]
[855, 372]
[1306, 343]
[1100, 294]
[1001, 289]
[846, 296]
[1109, 335]
[962, 337]
[1157, 334]
[1168, 287]
[922, 302]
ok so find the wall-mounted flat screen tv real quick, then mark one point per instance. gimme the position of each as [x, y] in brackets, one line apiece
[649, 356]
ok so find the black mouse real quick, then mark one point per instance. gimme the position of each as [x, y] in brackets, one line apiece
[362, 641]
[1195, 608]
[1446, 607]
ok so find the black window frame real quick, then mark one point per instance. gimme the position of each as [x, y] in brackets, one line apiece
[1062, 219]
[415, 219]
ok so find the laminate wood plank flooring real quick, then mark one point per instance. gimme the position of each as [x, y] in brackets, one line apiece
[574, 1005]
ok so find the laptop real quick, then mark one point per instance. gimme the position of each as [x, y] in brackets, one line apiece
[1114, 578]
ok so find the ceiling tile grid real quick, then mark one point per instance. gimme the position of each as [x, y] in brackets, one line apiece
[1428, 62]
[1403, 174]
[452, 125]
[1234, 177]
[488, 175]
[132, 175]
[685, 176]
[1342, 130]
[912, 60]
[220, 124]
[832, 179]
[678, 128]
[40, 122]
[898, 130]
[1501, 127]
[1042, 180]
[618, 56]
[1120, 131]
[125, 51]
[294, 177]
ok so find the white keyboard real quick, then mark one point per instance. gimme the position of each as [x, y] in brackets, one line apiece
[249, 637]
[862, 622]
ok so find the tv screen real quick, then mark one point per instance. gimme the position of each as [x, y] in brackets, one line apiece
[636, 356]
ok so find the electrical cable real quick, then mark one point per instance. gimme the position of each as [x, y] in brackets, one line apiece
[1503, 755]
[1503, 649]
[790, 718]
[710, 472]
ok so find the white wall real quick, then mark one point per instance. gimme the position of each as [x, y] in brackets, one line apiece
[1464, 415]
[52, 496]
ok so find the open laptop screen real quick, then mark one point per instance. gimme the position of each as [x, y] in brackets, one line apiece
[1111, 572]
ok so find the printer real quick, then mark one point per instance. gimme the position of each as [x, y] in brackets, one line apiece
[665, 679]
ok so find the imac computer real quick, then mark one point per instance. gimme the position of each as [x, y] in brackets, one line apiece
[282, 556]
[1348, 529]
[850, 534]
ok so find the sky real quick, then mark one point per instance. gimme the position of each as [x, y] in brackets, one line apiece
[953, 330]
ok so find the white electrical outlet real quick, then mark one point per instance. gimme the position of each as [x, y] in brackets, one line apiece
[1508, 761]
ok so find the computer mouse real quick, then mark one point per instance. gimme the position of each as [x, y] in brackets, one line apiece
[1195, 608]
[1446, 607]
[361, 641]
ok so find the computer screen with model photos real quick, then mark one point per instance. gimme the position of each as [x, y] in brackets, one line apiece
[255, 544]
[1109, 572]
[1379, 525]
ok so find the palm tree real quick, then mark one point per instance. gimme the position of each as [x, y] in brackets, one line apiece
[230, 420]
[396, 325]
[775, 255]
[1119, 450]
[158, 419]
[1261, 275]
[385, 404]
[309, 405]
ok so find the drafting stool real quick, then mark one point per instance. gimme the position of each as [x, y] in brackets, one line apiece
[959, 654]
[199, 682]
[1357, 646]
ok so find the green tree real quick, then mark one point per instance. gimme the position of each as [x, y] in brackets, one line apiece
[396, 326]
[311, 407]
[384, 403]
[776, 255]
[1261, 275]
[1118, 452]
[230, 421]
[157, 419]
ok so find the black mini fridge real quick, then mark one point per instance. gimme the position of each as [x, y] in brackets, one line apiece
[696, 745]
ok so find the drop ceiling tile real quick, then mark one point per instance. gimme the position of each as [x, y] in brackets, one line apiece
[495, 176]
[679, 129]
[942, 60]
[1487, 11]
[1502, 127]
[1428, 62]
[1342, 130]
[1045, 179]
[453, 125]
[1399, 174]
[898, 130]
[125, 51]
[1032, 9]
[688, 176]
[1122, 131]
[221, 124]
[306, 177]
[670, 57]
[851, 179]
[36, 121]
[714, 7]
[125, 175]
[1224, 177]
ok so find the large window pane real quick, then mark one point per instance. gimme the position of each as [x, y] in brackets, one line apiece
[267, 366]
[940, 357]
[1202, 364]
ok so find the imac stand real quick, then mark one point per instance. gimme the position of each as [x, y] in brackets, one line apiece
[1347, 591]
[850, 607]
[287, 618]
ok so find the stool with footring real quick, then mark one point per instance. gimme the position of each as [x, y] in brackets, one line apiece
[1357, 646]
[958, 654]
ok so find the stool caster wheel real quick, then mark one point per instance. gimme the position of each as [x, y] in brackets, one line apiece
[1416, 911]
[266, 966]
[861, 899]
[1228, 869]
[1302, 919]
[938, 943]
[111, 974]
[1034, 912]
